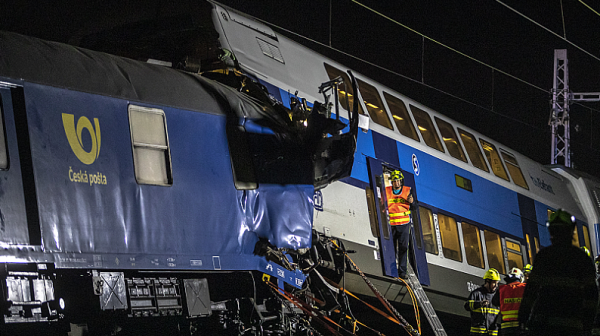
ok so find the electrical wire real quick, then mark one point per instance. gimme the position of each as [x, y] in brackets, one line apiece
[590, 8]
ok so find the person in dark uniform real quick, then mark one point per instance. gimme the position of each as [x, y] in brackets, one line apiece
[399, 200]
[483, 311]
[561, 294]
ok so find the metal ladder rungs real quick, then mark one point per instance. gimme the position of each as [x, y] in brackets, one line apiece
[424, 302]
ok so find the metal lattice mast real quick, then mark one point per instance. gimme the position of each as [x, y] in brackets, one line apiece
[559, 116]
[561, 100]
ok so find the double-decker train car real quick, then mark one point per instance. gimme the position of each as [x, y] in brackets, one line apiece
[479, 203]
[158, 187]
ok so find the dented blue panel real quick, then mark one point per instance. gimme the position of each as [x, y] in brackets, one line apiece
[95, 212]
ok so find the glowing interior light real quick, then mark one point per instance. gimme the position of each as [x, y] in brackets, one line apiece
[422, 128]
[305, 123]
[373, 106]
[397, 117]
[449, 140]
[61, 303]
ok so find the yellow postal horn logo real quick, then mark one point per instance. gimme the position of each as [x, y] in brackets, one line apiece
[74, 137]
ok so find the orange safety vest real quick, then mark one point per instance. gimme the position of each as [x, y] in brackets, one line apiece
[510, 301]
[398, 206]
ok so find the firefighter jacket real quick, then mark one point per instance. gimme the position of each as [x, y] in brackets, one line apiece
[561, 294]
[398, 206]
[509, 299]
[482, 317]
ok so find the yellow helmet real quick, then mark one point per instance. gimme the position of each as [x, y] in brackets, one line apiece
[527, 268]
[396, 175]
[491, 274]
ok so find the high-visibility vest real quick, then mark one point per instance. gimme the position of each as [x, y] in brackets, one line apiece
[510, 301]
[398, 206]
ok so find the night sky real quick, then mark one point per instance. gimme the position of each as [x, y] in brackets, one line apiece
[501, 88]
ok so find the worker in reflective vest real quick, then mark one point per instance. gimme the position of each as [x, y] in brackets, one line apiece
[479, 304]
[399, 200]
[509, 299]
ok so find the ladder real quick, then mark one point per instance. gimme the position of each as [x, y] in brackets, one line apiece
[432, 317]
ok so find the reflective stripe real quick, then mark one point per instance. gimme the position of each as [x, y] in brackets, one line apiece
[400, 221]
[484, 331]
[510, 324]
[400, 214]
[510, 315]
[487, 310]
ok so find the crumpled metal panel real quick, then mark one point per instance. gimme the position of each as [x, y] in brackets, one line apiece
[282, 214]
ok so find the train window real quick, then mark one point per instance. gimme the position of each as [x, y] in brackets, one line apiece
[473, 150]
[463, 182]
[429, 237]
[586, 237]
[450, 240]
[3, 151]
[514, 170]
[529, 248]
[515, 254]
[372, 212]
[493, 159]
[472, 241]
[450, 139]
[345, 91]
[401, 116]
[374, 104]
[493, 245]
[151, 157]
[426, 128]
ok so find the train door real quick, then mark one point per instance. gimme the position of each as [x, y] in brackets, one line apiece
[529, 221]
[379, 180]
[17, 222]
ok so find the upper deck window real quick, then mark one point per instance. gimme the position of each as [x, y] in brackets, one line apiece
[374, 104]
[473, 150]
[493, 159]
[514, 170]
[151, 157]
[401, 116]
[426, 128]
[345, 91]
[450, 139]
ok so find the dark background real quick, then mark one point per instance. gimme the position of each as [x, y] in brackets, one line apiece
[487, 64]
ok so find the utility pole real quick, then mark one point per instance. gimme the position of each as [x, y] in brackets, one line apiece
[562, 98]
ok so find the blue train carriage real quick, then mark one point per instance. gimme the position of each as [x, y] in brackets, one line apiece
[132, 187]
[480, 204]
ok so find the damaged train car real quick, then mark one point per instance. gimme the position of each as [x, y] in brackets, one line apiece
[136, 196]
[197, 173]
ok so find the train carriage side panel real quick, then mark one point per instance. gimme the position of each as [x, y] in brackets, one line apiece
[13, 219]
[101, 208]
